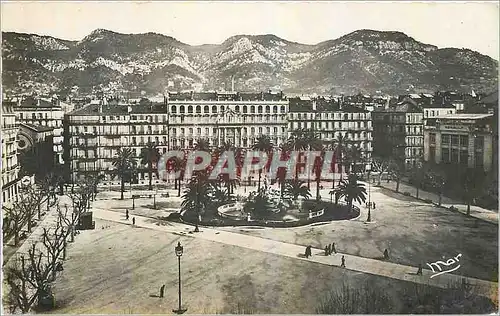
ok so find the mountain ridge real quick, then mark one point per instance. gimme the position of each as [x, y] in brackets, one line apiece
[361, 61]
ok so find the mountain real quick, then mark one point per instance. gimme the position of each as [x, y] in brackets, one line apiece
[362, 61]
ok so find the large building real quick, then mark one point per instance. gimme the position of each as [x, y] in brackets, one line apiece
[238, 118]
[469, 140]
[331, 118]
[36, 150]
[398, 132]
[46, 113]
[95, 132]
[10, 167]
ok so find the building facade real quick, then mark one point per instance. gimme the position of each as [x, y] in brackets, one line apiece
[96, 131]
[10, 166]
[398, 133]
[330, 119]
[469, 140]
[36, 150]
[47, 113]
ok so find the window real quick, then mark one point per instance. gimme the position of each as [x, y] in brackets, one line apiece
[259, 109]
[432, 138]
[478, 158]
[275, 109]
[244, 109]
[454, 140]
[173, 109]
[260, 130]
[426, 113]
[454, 155]
[464, 141]
[198, 110]
[198, 131]
[445, 139]
[268, 109]
[190, 109]
[478, 143]
[214, 109]
[445, 155]
[252, 109]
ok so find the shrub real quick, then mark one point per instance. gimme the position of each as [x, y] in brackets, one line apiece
[452, 208]
[174, 216]
[407, 193]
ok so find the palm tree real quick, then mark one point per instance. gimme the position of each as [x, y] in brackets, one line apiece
[295, 188]
[202, 145]
[263, 144]
[178, 165]
[231, 184]
[196, 197]
[353, 191]
[339, 147]
[149, 156]
[258, 204]
[123, 163]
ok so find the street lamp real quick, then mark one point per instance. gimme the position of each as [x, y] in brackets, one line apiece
[178, 252]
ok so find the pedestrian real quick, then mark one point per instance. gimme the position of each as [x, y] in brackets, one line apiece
[333, 248]
[373, 205]
[126, 214]
[308, 251]
[133, 220]
[386, 254]
[327, 251]
[419, 271]
[162, 290]
[343, 262]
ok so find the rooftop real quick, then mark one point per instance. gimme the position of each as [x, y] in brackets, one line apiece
[226, 96]
[37, 128]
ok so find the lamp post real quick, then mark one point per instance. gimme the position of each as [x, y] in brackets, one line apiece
[178, 252]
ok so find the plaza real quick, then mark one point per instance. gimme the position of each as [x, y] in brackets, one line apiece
[119, 267]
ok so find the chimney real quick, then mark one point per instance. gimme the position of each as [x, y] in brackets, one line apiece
[387, 103]
[314, 104]
[232, 83]
[192, 95]
[262, 96]
[38, 102]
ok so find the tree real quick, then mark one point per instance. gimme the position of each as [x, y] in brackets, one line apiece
[178, 165]
[150, 156]
[124, 163]
[353, 157]
[265, 145]
[417, 175]
[259, 204]
[230, 184]
[295, 188]
[397, 171]
[473, 183]
[339, 147]
[202, 145]
[437, 180]
[352, 190]
[196, 197]
[380, 165]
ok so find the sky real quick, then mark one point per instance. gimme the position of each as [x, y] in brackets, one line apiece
[444, 24]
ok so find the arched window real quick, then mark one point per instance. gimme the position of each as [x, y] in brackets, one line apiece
[252, 109]
[237, 108]
[282, 109]
[268, 130]
[260, 130]
[252, 130]
[259, 109]
[222, 108]
[214, 109]
[182, 109]
[190, 109]
[275, 109]
[346, 117]
[198, 109]
[206, 109]
[244, 109]
[173, 109]
[268, 109]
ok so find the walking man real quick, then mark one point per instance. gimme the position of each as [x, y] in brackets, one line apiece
[373, 205]
[326, 251]
[133, 220]
[386, 254]
[343, 262]
[419, 271]
[126, 214]
[333, 248]
[162, 291]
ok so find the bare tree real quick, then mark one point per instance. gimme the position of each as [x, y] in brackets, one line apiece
[13, 222]
[380, 165]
